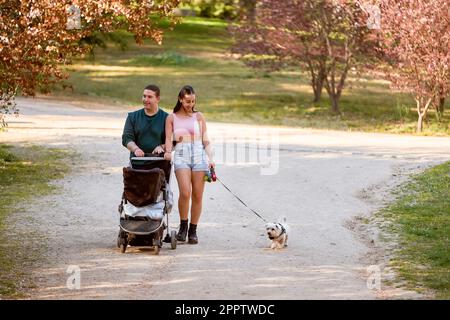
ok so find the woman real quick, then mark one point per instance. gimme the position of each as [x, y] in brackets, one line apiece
[192, 159]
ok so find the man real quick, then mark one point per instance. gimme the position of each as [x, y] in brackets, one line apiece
[144, 130]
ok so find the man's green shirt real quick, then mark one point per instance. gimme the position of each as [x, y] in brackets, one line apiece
[147, 132]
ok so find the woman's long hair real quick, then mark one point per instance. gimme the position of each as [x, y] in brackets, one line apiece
[186, 90]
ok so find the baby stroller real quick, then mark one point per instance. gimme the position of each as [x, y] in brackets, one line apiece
[146, 200]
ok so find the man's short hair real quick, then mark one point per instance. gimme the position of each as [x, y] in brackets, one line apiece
[154, 88]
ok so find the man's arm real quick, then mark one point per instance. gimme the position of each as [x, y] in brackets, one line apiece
[133, 147]
[128, 138]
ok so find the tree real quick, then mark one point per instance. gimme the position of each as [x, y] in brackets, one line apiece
[38, 36]
[417, 44]
[349, 40]
[274, 36]
[326, 37]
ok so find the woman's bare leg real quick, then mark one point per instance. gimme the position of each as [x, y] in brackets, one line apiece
[198, 185]
[184, 186]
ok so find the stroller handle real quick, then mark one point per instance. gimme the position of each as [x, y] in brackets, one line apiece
[147, 158]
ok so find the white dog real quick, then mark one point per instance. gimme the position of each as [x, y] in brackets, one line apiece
[278, 233]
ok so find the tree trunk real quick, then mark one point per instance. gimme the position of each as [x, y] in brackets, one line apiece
[440, 108]
[422, 114]
[420, 123]
[335, 95]
[334, 98]
[317, 72]
[317, 88]
[335, 104]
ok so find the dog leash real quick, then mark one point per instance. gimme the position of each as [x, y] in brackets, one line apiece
[241, 200]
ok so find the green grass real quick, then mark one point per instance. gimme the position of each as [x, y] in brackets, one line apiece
[196, 53]
[421, 216]
[25, 173]
[164, 59]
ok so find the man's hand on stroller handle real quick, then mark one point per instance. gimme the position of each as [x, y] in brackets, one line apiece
[138, 152]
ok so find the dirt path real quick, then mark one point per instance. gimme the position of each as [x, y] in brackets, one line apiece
[324, 179]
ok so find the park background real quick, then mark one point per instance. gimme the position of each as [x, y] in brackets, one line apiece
[200, 50]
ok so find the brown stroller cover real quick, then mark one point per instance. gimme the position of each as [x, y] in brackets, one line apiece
[142, 187]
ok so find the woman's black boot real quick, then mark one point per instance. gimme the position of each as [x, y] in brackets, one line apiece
[181, 235]
[192, 234]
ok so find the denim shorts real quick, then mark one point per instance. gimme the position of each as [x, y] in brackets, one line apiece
[190, 155]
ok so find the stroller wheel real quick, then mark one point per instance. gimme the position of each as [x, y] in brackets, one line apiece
[173, 239]
[157, 244]
[156, 249]
[119, 239]
[122, 244]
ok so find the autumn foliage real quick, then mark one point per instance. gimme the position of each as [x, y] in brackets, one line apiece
[417, 45]
[324, 37]
[38, 36]
[408, 40]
